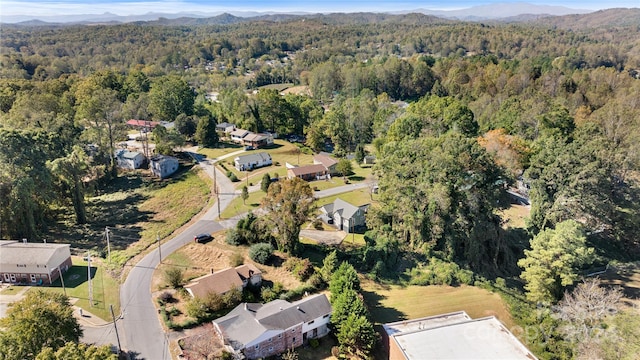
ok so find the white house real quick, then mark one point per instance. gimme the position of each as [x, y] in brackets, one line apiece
[163, 165]
[33, 263]
[343, 215]
[129, 160]
[252, 161]
[238, 135]
[262, 330]
[225, 127]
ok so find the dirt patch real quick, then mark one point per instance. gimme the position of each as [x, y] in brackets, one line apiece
[324, 237]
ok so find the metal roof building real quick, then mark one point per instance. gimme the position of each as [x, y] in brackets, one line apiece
[453, 336]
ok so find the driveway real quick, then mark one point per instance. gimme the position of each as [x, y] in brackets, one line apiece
[324, 237]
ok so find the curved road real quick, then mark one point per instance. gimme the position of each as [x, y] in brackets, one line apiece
[144, 336]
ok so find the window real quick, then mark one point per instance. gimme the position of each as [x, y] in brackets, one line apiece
[326, 316]
[257, 346]
[293, 330]
[270, 348]
[270, 339]
[311, 322]
[280, 336]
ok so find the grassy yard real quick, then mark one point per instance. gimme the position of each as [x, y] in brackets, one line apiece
[105, 289]
[166, 208]
[515, 216]
[357, 197]
[222, 149]
[395, 303]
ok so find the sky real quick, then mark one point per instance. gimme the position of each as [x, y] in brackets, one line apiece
[130, 7]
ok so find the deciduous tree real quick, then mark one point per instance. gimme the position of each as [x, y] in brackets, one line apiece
[42, 319]
[289, 204]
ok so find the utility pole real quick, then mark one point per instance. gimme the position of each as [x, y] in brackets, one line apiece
[62, 281]
[106, 231]
[89, 279]
[215, 187]
[115, 327]
[159, 248]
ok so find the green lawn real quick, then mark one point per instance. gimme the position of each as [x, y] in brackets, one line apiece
[237, 206]
[395, 303]
[357, 197]
[223, 149]
[105, 289]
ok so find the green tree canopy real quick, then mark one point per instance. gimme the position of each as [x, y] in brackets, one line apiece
[41, 319]
[554, 261]
[289, 204]
[170, 97]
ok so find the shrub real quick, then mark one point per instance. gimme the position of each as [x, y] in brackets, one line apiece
[165, 297]
[236, 259]
[301, 268]
[174, 277]
[271, 293]
[316, 281]
[233, 178]
[234, 237]
[317, 224]
[197, 309]
[261, 252]
[314, 343]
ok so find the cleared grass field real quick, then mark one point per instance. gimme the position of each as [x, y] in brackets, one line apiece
[396, 303]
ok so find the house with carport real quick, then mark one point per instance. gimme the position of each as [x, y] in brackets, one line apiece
[237, 135]
[129, 160]
[263, 330]
[33, 263]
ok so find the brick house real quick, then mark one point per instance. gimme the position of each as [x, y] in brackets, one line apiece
[33, 263]
[261, 330]
[309, 172]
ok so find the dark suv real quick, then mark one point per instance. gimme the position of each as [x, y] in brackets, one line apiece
[202, 238]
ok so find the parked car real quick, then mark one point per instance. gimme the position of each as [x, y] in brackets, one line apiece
[204, 237]
[249, 147]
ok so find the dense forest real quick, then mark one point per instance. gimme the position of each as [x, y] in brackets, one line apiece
[456, 112]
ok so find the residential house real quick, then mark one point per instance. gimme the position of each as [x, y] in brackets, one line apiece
[258, 140]
[309, 172]
[369, 159]
[144, 125]
[33, 263]
[129, 160]
[237, 135]
[252, 161]
[220, 282]
[452, 336]
[262, 330]
[225, 127]
[163, 165]
[327, 161]
[343, 215]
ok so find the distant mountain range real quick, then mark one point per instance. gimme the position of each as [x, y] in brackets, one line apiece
[477, 13]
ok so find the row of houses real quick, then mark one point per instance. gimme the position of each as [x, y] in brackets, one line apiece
[161, 166]
[245, 137]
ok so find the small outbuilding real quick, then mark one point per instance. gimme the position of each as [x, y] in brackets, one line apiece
[129, 160]
[163, 166]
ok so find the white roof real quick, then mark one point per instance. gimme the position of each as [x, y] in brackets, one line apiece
[456, 336]
[14, 252]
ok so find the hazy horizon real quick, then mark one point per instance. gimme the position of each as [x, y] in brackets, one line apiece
[124, 8]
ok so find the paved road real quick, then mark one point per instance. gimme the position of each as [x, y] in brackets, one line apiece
[339, 190]
[143, 333]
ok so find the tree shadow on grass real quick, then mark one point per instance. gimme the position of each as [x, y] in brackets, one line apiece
[380, 313]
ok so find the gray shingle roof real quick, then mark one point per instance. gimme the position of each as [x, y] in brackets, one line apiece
[248, 321]
[346, 210]
[251, 158]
